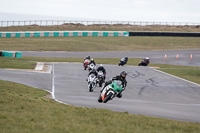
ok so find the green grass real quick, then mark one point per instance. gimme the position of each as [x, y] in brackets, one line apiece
[25, 109]
[16, 64]
[188, 74]
[99, 43]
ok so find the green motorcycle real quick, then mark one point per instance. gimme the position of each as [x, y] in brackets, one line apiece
[110, 91]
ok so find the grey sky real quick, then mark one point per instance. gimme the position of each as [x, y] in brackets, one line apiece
[123, 10]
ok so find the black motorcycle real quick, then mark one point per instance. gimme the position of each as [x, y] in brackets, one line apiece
[144, 62]
[123, 61]
[101, 78]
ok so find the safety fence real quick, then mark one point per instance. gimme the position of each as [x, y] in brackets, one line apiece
[86, 23]
[65, 34]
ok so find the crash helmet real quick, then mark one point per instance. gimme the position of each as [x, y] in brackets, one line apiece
[146, 58]
[88, 57]
[101, 65]
[123, 75]
[92, 59]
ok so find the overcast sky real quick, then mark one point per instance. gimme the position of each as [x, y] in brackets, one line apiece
[122, 10]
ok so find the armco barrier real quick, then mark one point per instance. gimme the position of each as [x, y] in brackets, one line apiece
[65, 34]
[171, 34]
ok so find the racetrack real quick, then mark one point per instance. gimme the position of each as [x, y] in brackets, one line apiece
[156, 57]
[149, 92]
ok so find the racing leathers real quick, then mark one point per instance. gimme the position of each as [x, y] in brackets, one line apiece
[124, 83]
[92, 62]
[93, 72]
[101, 68]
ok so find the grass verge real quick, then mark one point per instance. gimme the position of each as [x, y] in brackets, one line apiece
[188, 74]
[103, 27]
[82, 44]
[16, 64]
[25, 109]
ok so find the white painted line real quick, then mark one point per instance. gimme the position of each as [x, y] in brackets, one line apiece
[53, 87]
[62, 102]
[177, 77]
[40, 66]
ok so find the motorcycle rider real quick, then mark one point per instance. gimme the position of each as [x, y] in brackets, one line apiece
[101, 68]
[86, 58]
[122, 78]
[146, 60]
[93, 71]
[92, 61]
[124, 60]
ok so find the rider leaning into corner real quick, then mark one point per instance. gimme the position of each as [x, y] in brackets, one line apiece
[92, 62]
[93, 71]
[146, 60]
[121, 77]
[86, 58]
[101, 68]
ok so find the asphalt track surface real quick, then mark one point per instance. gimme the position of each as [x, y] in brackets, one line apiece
[156, 57]
[149, 91]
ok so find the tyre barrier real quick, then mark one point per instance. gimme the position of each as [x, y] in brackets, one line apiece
[11, 54]
[65, 34]
[170, 34]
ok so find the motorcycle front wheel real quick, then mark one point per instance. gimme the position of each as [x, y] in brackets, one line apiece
[108, 97]
[90, 88]
[100, 99]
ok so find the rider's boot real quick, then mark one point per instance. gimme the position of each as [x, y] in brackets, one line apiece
[119, 95]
